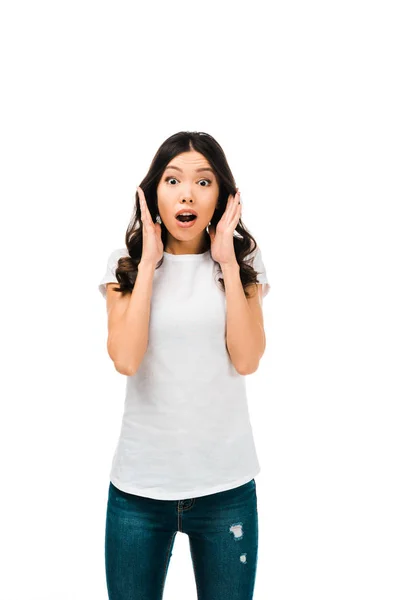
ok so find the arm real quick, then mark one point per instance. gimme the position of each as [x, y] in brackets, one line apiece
[128, 322]
[245, 338]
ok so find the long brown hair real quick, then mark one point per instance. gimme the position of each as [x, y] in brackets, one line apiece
[184, 141]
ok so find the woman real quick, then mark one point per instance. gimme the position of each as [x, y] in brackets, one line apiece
[186, 336]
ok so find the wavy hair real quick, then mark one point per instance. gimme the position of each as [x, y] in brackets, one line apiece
[184, 141]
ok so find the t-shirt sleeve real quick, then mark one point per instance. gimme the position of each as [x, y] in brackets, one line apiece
[258, 265]
[109, 275]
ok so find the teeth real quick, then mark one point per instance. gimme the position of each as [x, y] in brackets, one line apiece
[185, 213]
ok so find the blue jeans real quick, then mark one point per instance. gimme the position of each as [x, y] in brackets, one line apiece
[223, 539]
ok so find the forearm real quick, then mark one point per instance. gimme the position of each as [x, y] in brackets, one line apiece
[244, 337]
[129, 342]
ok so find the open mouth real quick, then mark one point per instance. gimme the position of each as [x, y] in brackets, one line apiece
[186, 218]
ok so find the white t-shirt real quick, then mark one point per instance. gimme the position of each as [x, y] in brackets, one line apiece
[185, 429]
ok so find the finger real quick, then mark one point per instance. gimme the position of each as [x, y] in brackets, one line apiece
[147, 211]
[239, 212]
[229, 209]
[239, 201]
[232, 212]
[144, 211]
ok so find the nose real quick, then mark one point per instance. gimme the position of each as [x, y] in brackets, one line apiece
[186, 193]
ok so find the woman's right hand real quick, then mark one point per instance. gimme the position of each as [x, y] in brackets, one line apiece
[152, 248]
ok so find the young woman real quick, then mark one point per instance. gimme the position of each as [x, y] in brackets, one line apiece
[185, 325]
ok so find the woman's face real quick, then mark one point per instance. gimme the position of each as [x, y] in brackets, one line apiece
[192, 184]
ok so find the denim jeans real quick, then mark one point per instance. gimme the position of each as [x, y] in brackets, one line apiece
[223, 539]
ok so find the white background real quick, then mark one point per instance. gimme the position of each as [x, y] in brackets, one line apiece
[304, 99]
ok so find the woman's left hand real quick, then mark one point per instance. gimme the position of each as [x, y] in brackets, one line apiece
[222, 249]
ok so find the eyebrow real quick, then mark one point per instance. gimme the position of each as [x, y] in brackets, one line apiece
[197, 170]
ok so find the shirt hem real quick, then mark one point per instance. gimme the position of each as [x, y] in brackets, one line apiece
[185, 494]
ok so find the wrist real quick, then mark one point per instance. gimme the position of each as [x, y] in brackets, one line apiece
[230, 266]
[146, 265]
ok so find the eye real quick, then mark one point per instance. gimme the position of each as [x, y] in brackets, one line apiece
[207, 180]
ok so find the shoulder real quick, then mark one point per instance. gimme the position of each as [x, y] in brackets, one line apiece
[256, 260]
[114, 256]
[111, 267]
[254, 255]
[118, 253]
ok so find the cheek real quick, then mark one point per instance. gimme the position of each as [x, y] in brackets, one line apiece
[166, 209]
[213, 199]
